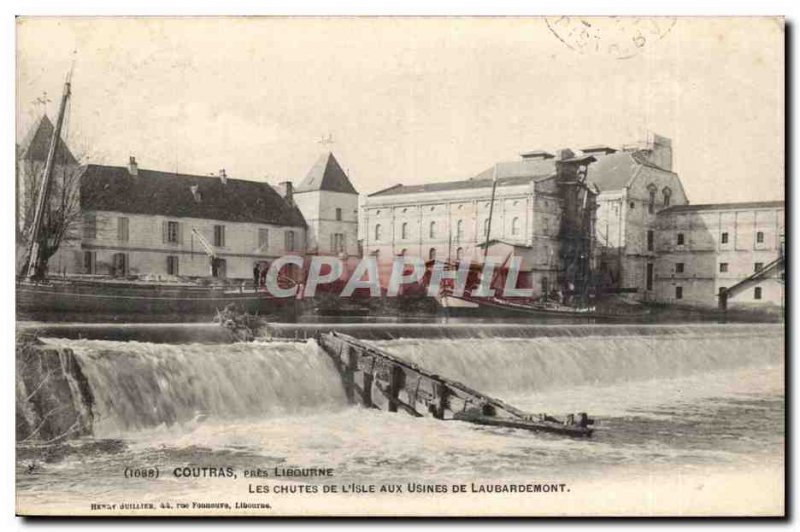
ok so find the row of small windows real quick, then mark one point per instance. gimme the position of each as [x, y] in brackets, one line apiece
[756, 292]
[680, 239]
[757, 267]
[172, 233]
[432, 233]
[680, 267]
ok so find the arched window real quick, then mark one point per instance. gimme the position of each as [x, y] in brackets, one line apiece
[486, 227]
[460, 230]
[377, 231]
[432, 230]
[404, 231]
[432, 254]
[515, 226]
[459, 253]
[667, 195]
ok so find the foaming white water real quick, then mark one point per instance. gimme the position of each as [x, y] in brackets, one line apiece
[511, 365]
[138, 385]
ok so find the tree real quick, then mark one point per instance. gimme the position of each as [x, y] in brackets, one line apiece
[63, 218]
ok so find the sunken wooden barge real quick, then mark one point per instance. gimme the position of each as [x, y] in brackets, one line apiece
[375, 378]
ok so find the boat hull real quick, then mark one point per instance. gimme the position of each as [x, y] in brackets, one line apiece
[138, 299]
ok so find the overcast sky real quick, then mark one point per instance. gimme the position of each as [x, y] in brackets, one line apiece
[408, 100]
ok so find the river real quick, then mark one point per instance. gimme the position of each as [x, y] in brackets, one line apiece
[676, 408]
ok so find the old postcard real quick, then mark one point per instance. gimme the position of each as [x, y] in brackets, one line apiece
[387, 266]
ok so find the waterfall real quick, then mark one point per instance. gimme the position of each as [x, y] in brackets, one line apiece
[139, 385]
[503, 365]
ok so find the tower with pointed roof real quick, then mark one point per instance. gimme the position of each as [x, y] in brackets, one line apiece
[31, 159]
[329, 203]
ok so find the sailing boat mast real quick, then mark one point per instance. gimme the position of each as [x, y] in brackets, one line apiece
[34, 247]
[491, 211]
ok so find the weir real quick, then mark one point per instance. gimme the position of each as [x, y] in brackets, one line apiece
[377, 379]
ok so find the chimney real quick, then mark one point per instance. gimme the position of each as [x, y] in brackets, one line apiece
[223, 176]
[133, 168]
[288, 193]
[536, 155]
[564, 154]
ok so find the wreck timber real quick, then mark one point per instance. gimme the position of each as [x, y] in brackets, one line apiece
[374, 378]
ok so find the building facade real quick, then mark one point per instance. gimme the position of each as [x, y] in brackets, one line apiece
[704, 250]
[635, 183]
[146, 223]
[454, 221]
[329, 204]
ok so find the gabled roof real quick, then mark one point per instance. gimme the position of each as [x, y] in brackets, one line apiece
[326, 174]
[464, 184]
[615, 171]
[36, 144]
[113, 188]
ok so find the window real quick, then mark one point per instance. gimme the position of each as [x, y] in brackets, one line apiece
[545, 286]
[723, 289]
[172, 265]
[649, 240]
[680, 239]
[119, 265]
[486, 227]
[723, 267]
[757, 292]
[758, 267]
[760, 237]
[89, 225]
[263, 238]
[459, 254]
[432, 254]
[172, 232]
[460, 230]
[667, 196]
[219, 235]
[289, 241]
[678, 267]
[377, 232]
[122, 229]
[678, 292]
[632, 205]
[649, 276]
[651, 203]
[724, 238]
[432, 230]
[515, 226]
[89, 262]
[337, 243]
[404, 231]
[338, 214]
[219, 268]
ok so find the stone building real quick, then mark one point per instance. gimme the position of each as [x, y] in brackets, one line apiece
[329, 203]
[31, 159]
[450, 221]
[139, 222]
[635, 184]
[707, 249]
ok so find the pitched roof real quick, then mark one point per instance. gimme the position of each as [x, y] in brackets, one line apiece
[616, 170]
[724, 206]
[326, 174]
[36, 144]
[443, 186]
[113, 188]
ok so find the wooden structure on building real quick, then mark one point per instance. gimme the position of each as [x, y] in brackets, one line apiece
[377, 379]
